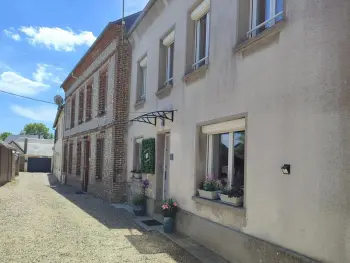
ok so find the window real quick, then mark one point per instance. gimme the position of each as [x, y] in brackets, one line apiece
[81, 106]
[70, 158]
[226, 152]
[78, 158]
[72, 118]
[168, 43]
[264, 14]
[65, 154]
[99, 157]
[102, 92]
[142, 78]
[137, 153]
[201, 16]
[88, 110]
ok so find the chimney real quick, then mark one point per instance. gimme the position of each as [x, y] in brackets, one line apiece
[25, 145]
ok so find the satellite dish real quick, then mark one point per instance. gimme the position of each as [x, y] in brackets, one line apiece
[58, 100]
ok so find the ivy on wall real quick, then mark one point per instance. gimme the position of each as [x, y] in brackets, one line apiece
[148, 156]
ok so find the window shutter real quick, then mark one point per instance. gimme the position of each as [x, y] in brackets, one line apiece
[169, 39]
[224, 127]
[201, 10]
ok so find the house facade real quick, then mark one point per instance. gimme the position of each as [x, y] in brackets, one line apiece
[237, 90]
[96, 111]
[57, 157]
[8, 163]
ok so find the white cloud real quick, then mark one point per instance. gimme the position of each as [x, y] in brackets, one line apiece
[46, 72]
[44, 75]
[134, 6]
[15, 83]
[11, 32]
[57, 38]
[41, 113]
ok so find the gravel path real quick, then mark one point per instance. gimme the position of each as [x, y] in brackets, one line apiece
[43, 223]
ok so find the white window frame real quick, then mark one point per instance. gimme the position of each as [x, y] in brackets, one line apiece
[199, 60]
[169, 60]
[212, 130]
[254, 16]
[143, 78]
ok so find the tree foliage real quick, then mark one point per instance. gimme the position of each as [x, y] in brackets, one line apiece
[38, 129]
[4, 135]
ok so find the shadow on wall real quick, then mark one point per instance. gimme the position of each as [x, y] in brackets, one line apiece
[112, 218]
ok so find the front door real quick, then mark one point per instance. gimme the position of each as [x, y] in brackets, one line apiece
[166, 166]
[86, 166]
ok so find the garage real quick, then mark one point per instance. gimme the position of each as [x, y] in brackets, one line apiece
[39, 165]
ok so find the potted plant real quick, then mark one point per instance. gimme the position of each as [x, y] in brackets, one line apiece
[232, 196]
[169, 209]
[137, 174]
[209, 189]
[140, 201]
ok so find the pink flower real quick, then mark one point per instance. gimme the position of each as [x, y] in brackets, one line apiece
[164, 207]
[174, 204]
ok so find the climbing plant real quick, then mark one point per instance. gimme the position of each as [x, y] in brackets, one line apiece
[148, 156]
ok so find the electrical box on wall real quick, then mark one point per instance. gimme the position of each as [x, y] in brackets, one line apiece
[171, 157]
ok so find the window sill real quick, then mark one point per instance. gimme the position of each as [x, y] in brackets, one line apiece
[238, 211]
[196, 74]
[266, 36]
[139, 103]
[164, 91]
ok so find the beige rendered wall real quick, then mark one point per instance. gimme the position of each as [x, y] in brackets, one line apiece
[58, 148]
[294, 90]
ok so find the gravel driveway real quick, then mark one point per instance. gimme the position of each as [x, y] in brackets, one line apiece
[40, 222]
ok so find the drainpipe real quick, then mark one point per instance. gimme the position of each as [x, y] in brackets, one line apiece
[25, 145]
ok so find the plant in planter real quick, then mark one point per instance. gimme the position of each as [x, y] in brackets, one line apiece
[209, 189]
[137, 174]
[140, 200]
[169, 209]
[233, 196]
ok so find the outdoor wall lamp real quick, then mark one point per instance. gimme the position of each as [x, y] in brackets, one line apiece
[286, 169]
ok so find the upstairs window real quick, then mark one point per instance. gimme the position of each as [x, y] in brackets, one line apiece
[102, 92]
[264, 14]
[72, 118]
[81, 106]
[169, 44]
[142, 83]
[201, 16]
[88, 110]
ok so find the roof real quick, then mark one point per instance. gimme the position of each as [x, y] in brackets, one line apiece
[141, 16]
[59, 110]
[19, 148]
[4, 144]
[129, 21]
[37, 147]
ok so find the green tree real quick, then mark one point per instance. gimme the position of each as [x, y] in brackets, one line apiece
[4, 135]
[37, 129]
[51, 136]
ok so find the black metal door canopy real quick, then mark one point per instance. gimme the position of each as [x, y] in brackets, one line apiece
[151, 117]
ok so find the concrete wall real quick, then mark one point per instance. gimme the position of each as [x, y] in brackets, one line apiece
[57, 157]
[292, 85]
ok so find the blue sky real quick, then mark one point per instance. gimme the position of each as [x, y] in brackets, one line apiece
[40, 43]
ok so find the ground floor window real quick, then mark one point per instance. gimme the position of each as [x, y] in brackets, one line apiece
[226, 152]
[137, 153]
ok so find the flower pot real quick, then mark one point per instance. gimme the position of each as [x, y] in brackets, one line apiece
[139, 210]
[168, 225]
[137, 176]
[235, 201]
[208, 194]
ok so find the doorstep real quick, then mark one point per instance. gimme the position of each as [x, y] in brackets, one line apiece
[198, 251]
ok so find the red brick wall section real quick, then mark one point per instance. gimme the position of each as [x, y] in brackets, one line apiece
[121, 113]
[81, 107]
[88, 113]
[102, 90]
[78, 169]
[72, 118]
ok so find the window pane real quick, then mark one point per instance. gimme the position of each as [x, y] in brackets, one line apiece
[239, 143]
[171, 64]
[223, 156]
[203, 34]
[279, 8]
